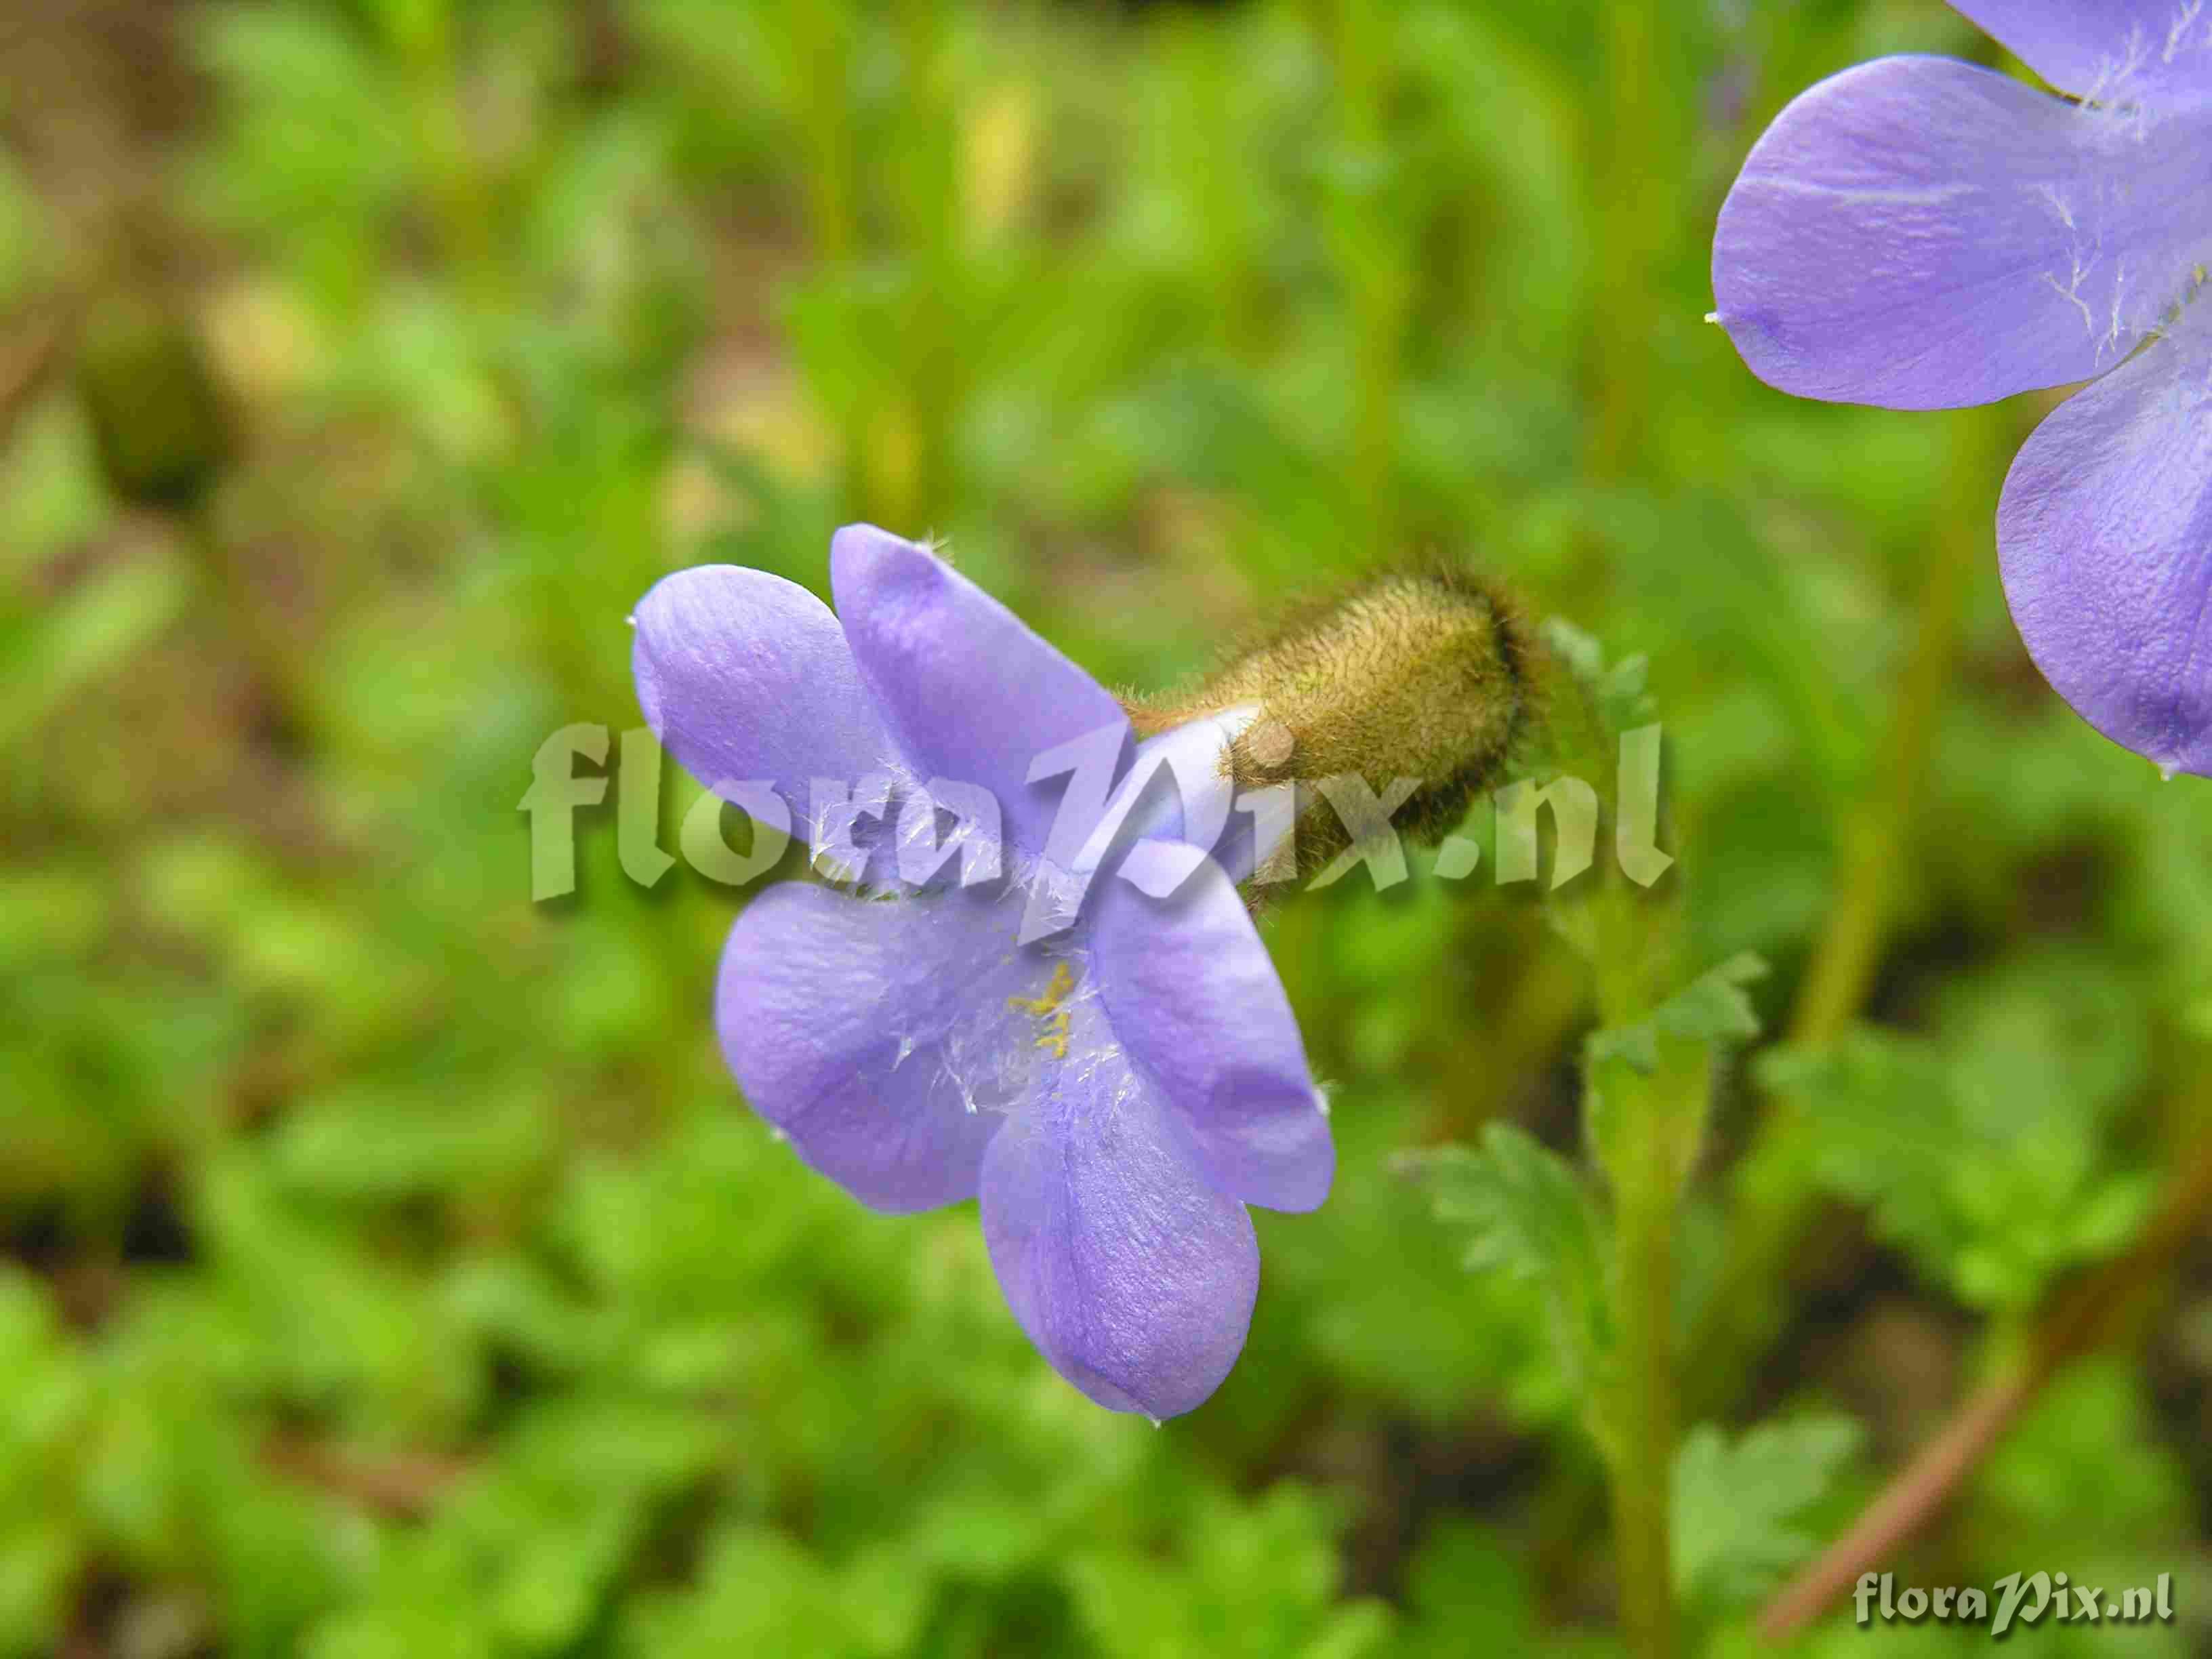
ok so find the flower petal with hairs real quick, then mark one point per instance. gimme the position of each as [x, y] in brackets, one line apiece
[1918, 233]
[1115, 1093]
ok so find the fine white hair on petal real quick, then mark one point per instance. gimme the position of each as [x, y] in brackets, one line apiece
[1920, 233]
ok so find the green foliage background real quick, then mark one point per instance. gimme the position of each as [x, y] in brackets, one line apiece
[392, 1268]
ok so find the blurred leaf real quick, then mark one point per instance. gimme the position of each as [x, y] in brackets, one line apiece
[1528, 1215]
[1740, 1506]
[1985, 1190]
[99, 626]
[1260, 1582]
[1711, 1009]
[1616, 690]
[1468, 1592]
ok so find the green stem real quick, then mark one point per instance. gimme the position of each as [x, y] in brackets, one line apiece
[462, 202]
[1775, 1196]
[1645, 1126]
[1636, 216]
[821, 50]
[1646, 1407]
[819, 40]
[1651, 1121]
[934, 369]
[1843, 966]
[1373, 242]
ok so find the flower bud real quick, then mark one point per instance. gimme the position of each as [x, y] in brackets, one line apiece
[1427, 674]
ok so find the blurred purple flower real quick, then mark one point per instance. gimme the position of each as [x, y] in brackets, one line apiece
[1918, 233]
[1114, 1095]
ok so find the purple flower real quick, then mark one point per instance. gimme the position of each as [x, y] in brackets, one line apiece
[1115, 1094]
[1918, 233]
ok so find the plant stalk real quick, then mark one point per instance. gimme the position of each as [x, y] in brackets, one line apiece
[1774, 1193]
[1645, 1126]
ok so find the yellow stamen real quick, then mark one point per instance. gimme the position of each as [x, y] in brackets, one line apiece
[1057, 988]
[1047, 1007]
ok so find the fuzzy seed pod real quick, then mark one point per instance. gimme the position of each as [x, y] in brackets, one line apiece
[1425, 672]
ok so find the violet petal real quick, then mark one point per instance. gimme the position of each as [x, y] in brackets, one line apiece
[1194, 999]
[971, 693]
[1133, 1275]
[864, 1030]
[1923, 234]
[2105, 539]
[745, 677]
[2104, 49]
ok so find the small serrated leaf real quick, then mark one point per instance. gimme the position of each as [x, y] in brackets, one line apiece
[1528, 1214]
[1618, 692]
[1988, 1206]
[1712, 1008]
[1740, 1507]
[1886, 1132]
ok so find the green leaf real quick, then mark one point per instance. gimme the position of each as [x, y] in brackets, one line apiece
[1740, 1507]
[1259, 1578]
[1616, 691]
[95, 632]
[1712, 1008]
[1990, 1202]
[1468, 1591]
[1529, 1215]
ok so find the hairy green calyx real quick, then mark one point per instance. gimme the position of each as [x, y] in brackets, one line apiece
[1425, 673]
